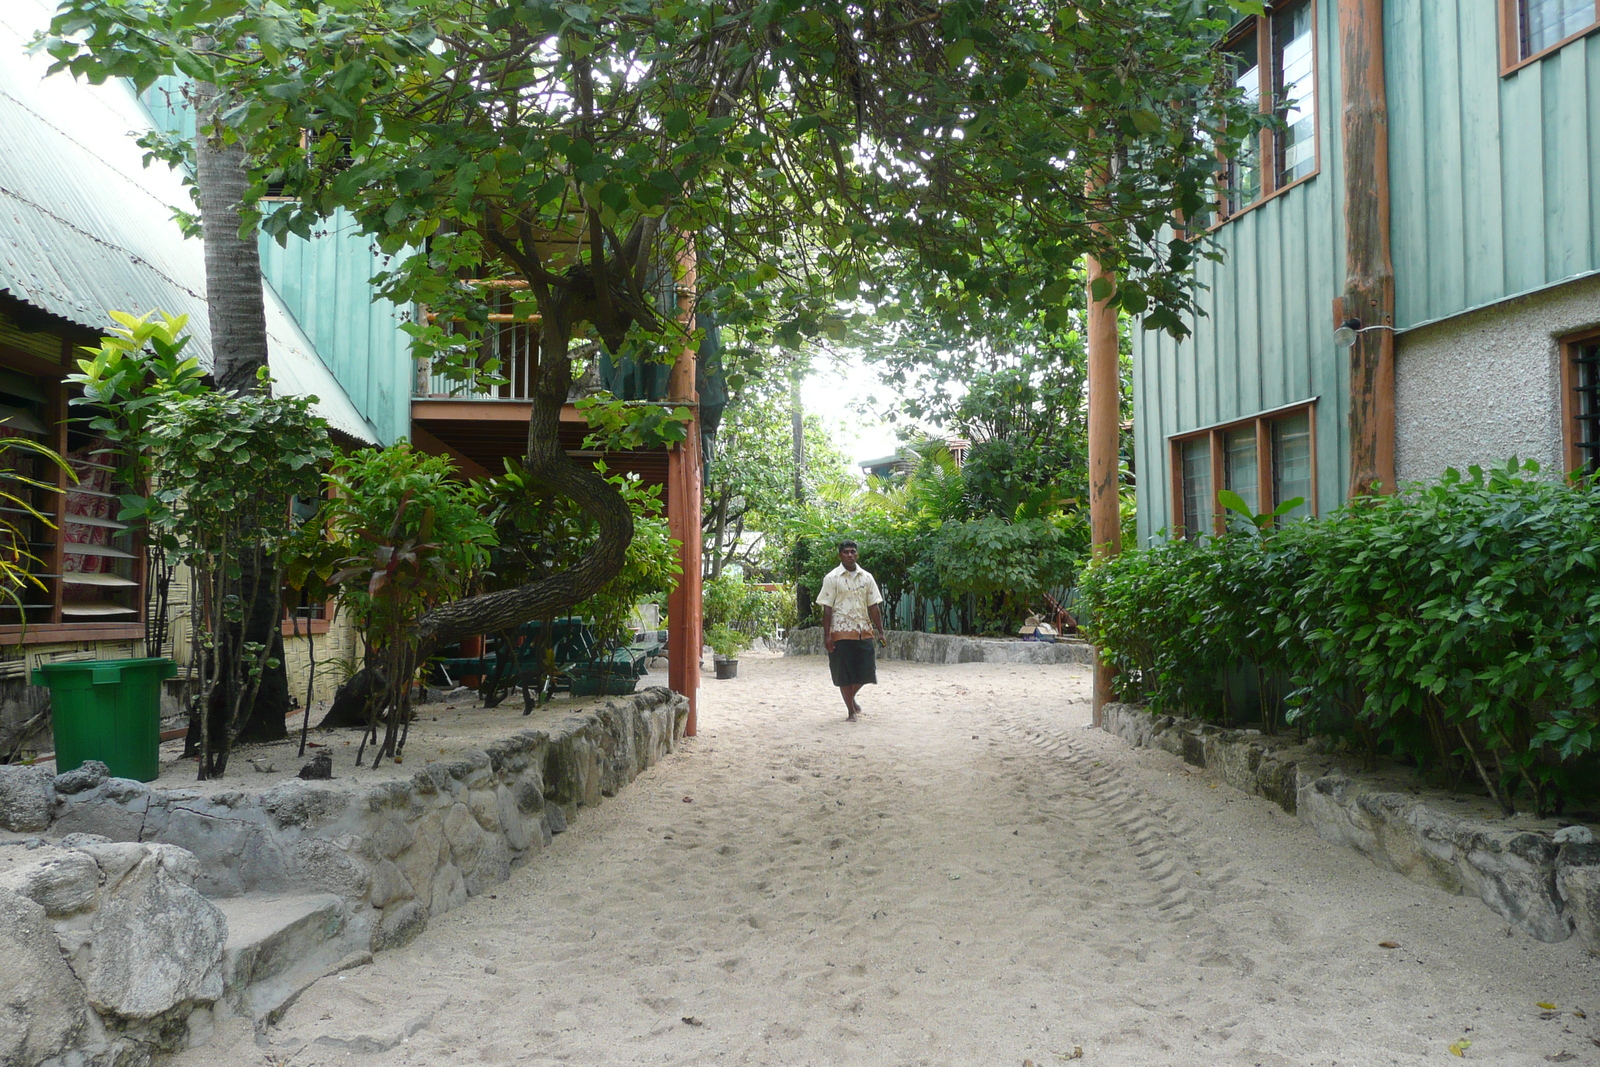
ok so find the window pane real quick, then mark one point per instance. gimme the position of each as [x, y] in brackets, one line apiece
[1197, 497]
[1244, 169]
[1544, 22]
[1291, 462]
[1586, 384]
[1239, 469]
[24, 538]
[1294, 92]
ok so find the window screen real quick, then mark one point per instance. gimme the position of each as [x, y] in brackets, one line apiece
[1197, 497]
[1294, 91]
[1291, 462]
[1586, 406]
[1240, 472]
[1542, 23]
[1244, 170]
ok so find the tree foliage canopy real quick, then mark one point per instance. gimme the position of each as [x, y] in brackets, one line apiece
[962, 138]
[903, 153]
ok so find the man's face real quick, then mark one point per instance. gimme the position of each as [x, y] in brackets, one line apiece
[847, 556]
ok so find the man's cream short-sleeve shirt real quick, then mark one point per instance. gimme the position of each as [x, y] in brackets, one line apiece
[850, 594]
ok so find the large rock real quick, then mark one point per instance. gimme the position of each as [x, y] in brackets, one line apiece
[156, 944]
[1578, 883]
[90, 773]
[27, 798]
[298, 803]
[42, 1006]
[400, 925]
[116, 808]
[61, 881]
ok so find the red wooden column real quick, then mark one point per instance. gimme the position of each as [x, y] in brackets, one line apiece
[683, 518]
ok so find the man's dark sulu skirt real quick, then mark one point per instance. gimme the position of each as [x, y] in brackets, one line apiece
[853, 662]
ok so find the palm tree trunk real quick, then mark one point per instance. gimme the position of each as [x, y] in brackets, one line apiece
[236, 310]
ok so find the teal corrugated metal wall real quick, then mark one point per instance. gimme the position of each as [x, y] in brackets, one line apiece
[1267, 337]
[326, 284]
[1494, 192]
[1491, 178]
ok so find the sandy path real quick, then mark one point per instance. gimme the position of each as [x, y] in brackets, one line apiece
[969, 876]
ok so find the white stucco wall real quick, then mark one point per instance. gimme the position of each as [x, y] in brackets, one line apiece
[1485, 386]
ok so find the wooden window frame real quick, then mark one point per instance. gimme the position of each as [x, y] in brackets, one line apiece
[48, 377]
[1265, 499]
[1571, 430]
[1511, 57]
[1266, 145]
[287, 625]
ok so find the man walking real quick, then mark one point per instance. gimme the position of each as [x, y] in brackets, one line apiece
[850, 623]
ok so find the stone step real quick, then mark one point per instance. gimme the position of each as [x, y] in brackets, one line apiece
[278, 944]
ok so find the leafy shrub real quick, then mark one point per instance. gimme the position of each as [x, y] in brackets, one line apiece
[1452, 626]
[731, 603]
[1006, 565]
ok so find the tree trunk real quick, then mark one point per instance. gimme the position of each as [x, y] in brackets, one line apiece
[1369, 269]
[798, 433]
[236, 310]
[235, 307]
[1104, 433]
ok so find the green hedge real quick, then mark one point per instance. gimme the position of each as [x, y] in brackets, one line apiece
[1453, 626]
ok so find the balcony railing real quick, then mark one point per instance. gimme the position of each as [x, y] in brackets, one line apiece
[514, 344]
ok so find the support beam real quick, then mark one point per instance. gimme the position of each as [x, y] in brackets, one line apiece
[683, 518]
[466, 466]
[1369, 269]
[1104, 431]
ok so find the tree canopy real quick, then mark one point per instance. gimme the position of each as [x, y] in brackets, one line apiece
[800, 153]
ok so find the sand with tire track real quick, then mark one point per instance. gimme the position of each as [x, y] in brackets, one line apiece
[968, 876]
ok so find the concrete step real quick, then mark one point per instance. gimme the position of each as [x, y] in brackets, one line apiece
[278, 944]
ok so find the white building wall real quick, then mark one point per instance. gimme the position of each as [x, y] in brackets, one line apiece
[1485, 386]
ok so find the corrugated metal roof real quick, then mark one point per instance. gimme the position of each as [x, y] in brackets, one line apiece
[85, 227]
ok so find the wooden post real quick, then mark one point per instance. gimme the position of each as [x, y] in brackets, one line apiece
[1369, 269]
[1105, 428]
[684, 485]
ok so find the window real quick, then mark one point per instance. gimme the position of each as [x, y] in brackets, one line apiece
[1267, 460]
[1240, 466]
[88, 566]
[1198, 501]
[302, 613]
[1530, 28]
[1272, 58]
[1580, 381]
[1291, 461]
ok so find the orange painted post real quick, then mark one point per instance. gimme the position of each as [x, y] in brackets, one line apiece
[1104, 431]
[684, 484]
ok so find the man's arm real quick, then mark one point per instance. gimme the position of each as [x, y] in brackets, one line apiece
[827, 627]
[877, 623]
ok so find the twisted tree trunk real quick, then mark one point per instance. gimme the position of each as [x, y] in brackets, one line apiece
[550, 468]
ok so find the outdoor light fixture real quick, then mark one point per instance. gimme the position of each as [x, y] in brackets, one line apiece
[1344, 335]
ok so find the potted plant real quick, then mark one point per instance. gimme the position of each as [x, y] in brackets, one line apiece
[726, 644]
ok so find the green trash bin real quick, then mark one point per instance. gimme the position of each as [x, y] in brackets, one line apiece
[108, 710]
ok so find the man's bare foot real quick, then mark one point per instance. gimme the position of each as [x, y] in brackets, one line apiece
[853, 716]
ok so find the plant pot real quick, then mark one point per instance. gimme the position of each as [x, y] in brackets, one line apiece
[726, 668]
[107, 710]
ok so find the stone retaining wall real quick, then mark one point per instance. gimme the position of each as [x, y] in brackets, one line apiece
[349, 867]
[945, 648]
[1542, 879]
